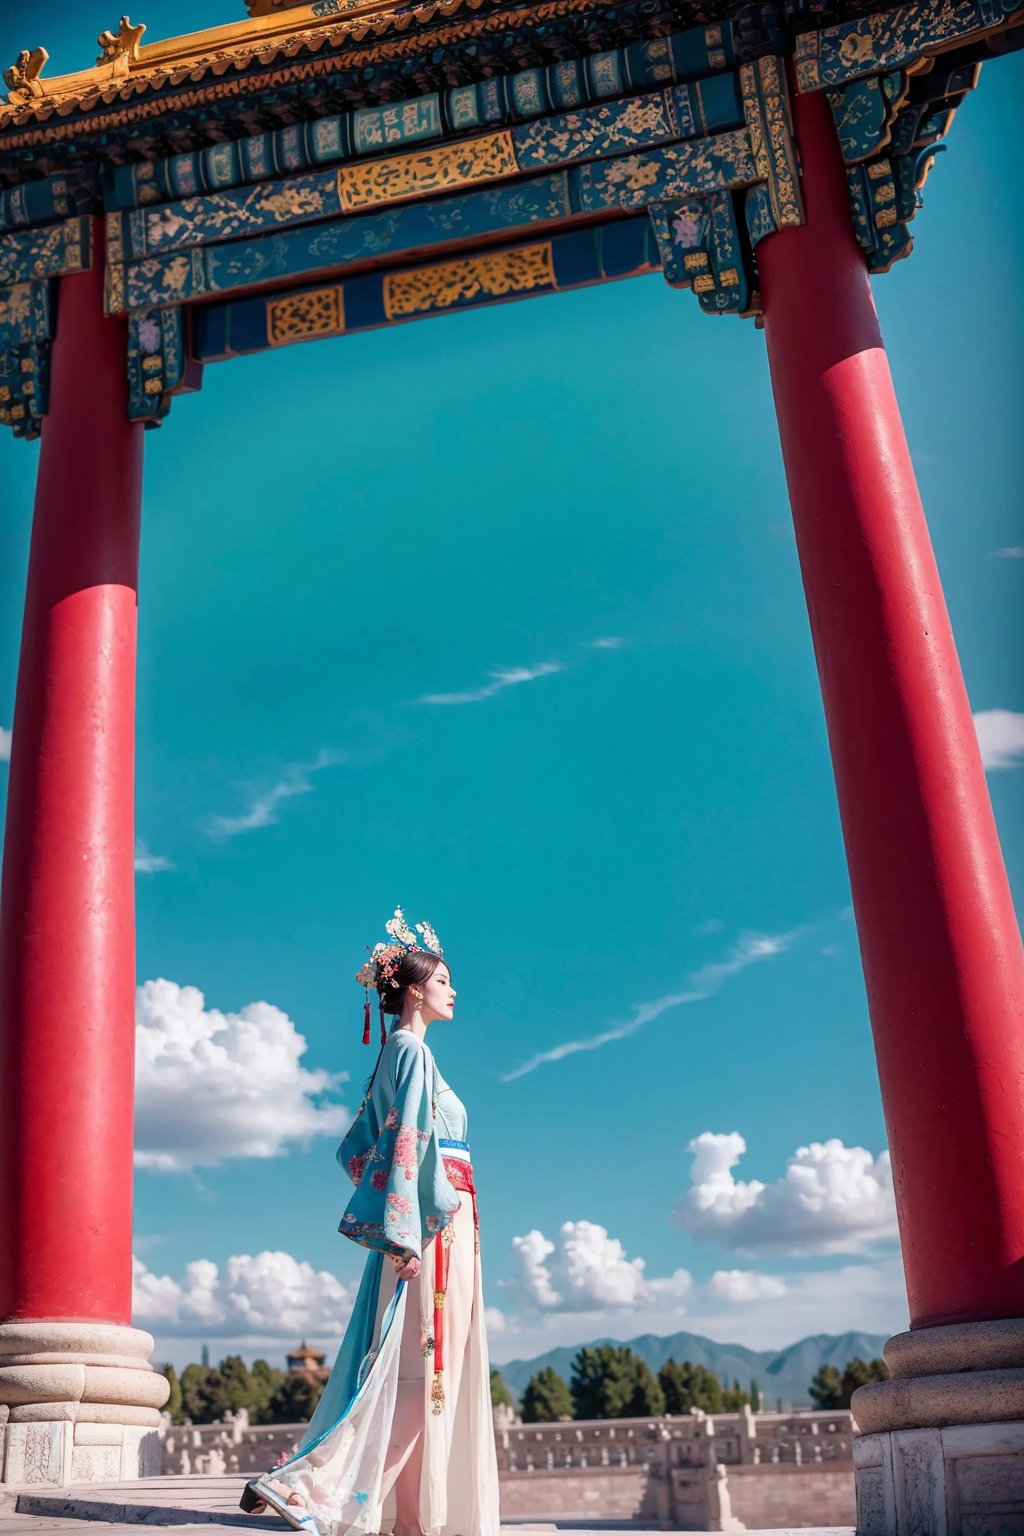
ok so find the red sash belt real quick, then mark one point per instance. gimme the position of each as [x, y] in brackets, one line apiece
[460, 1176]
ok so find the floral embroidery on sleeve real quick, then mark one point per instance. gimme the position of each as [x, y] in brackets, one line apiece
[406, 1197]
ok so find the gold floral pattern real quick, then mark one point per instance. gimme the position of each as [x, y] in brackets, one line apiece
[302, 316]
[766, 109]
[492, 274]
[418, 174]
[892, 39]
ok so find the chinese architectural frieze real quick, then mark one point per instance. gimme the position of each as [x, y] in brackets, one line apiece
[319, 169]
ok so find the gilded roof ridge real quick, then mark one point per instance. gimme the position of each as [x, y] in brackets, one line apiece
[265, 40]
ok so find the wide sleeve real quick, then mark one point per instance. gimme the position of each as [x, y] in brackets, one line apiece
[403, 1196]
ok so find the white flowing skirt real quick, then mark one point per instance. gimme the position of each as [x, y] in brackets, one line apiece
[347, 1476]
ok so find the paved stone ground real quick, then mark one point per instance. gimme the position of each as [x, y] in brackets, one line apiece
[182, 1504]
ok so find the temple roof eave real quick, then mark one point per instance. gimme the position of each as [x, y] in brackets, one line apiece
[273, 40]
[196, 56]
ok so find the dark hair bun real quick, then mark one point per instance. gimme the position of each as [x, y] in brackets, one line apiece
[415, 967]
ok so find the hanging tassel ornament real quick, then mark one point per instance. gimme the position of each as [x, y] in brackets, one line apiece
[366, 1018]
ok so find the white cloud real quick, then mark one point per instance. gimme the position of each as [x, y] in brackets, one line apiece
[5, 745]
[147, 863]
[502, 677]
[831, 1199]
[760, 1310]
[586, 1270]
[212, 1085]
[867, 1297]
[255, 1297]
[745, 1285]
[605, 643]
[262, 810]
[1000, 737]
[703, 983]
[1009, 552]
[643, 1014]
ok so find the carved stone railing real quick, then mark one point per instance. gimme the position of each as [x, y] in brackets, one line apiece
[728, 1439]
[693, 1440]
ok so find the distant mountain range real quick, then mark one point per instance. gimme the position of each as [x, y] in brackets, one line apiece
[780, 1373]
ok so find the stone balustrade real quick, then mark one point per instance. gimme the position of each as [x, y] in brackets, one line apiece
[725, 1472]
[740, 1439]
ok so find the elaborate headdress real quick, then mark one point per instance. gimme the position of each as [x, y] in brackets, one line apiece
[386, 958]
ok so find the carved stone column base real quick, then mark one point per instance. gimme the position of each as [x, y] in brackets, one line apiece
[79, 1403]
[940, 1447]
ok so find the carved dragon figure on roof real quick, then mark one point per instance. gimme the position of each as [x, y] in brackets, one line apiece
[120, 48]
[22, 79]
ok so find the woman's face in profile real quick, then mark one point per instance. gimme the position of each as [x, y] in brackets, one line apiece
[438, 993]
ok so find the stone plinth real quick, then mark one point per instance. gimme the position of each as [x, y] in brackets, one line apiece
[79, 1403]
[940, 1447]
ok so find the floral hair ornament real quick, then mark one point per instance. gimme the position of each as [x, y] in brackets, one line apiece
[385, 959]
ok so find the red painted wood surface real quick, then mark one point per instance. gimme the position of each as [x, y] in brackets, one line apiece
[939, 939]
[67, 921]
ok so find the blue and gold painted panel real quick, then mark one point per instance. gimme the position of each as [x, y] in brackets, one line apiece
[621, 248]
[497, 102]
[55, 250]
[885, 194]
[26, 314]
[766, 107]
[864, 113]
[157, 362]
[24, 388]
[656, 118]
[627, 182]
[673, 151]
[893, 39]
[702, 249]
[35, 202]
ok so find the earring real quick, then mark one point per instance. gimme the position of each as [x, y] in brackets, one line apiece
[416, 993]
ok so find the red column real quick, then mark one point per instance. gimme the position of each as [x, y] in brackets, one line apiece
[67, 917]
[939, 939]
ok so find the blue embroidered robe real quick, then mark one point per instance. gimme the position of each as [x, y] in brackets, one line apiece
[402, 1198]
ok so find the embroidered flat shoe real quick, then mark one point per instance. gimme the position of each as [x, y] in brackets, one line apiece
[257, 1492]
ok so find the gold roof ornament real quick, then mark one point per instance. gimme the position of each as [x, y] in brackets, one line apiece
[22, 79]
[120, 48]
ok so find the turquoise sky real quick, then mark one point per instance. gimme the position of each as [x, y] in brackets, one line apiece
[588, 488]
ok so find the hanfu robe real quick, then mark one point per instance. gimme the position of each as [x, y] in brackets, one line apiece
[404, 1203]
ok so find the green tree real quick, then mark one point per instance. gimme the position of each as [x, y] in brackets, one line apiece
[239, 1388]
[173, 1404]
[859, 1373]
[734, 1398]
[294, 1400]
[265, 1382]
[203, 1398]
[755, 1396]
[826, 1387]
[687, 1386]
[501, 1397]
[610, 1382]
[547, 1398]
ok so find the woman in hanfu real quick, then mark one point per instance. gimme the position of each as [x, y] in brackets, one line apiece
[402, 1439]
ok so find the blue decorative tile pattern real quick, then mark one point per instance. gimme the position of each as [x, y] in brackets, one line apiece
[497, 102]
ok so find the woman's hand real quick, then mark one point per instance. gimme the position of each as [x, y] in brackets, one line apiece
[408, 1268]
